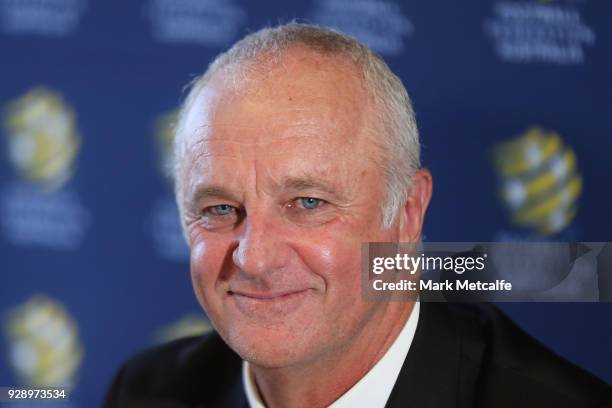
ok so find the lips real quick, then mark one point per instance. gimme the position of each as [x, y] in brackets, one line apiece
[277, 295]
[268, 305]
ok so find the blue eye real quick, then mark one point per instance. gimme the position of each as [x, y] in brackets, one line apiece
[221, 209]
[309, 203]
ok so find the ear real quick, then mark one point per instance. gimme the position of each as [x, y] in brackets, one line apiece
[413, 212]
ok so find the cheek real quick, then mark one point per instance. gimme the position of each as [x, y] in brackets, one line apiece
[334, 252]
[207, 257]
[336, 259]
[342, 311]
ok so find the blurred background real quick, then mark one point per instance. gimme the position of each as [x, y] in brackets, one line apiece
[513, 101]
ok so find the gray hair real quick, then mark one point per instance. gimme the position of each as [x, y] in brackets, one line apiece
[393, 107]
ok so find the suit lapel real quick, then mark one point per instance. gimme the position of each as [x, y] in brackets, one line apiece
[442, 365]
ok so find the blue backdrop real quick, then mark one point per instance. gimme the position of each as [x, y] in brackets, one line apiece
[91, 255]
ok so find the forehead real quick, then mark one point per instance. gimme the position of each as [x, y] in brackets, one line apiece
[301, 93]
[306, 117]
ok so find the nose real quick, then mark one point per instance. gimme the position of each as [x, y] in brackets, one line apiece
[261, 249]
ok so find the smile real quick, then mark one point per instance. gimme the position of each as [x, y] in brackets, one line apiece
[268, 304]
[267, 296]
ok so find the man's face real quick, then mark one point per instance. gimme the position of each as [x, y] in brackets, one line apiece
[280, 190]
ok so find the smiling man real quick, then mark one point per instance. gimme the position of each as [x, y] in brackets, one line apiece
[295, 147]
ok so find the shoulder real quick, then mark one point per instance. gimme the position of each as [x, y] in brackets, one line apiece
[184, 372]
[517, 368]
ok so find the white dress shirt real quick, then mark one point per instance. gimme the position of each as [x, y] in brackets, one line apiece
[374, 388]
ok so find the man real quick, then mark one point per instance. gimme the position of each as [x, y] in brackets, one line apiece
[295, 147]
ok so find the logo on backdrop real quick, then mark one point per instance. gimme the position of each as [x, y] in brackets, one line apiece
[214, 23]
[165, 226]
[539, 181]
[44, 344]
[50, 18]
[379, 24]
[187, 326]
[539, 31]
[43, 138]
[43, 143]
[164, 141]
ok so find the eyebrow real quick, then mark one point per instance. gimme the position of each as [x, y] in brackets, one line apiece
[310, 183]
[304, 183]
[208, 192]
[307, 183]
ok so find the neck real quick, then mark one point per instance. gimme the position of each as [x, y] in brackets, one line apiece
[319, 383]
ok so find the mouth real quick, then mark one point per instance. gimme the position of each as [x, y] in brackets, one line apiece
[267, 296]
[269, 304]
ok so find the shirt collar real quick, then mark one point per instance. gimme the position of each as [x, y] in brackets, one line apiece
[374, 388]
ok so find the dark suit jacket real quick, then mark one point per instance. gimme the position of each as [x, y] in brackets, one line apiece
[461, 356]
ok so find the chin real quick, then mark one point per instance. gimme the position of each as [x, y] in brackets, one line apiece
[270, 347]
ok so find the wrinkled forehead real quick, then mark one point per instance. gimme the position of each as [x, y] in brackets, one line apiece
[301, 94]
